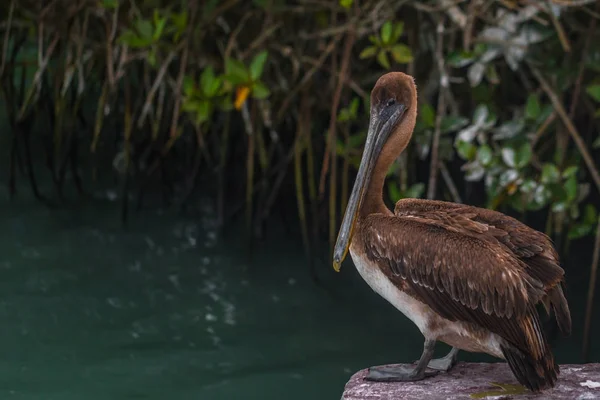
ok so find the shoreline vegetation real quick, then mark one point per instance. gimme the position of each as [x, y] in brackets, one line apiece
[268, 101]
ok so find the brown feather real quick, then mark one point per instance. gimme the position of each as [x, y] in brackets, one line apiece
[481, 283]
[468, 265]
[491, 275]
[561, 309]
[533, 248]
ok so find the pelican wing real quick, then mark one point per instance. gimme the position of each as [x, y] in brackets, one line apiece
[534, 248]
[459, 273]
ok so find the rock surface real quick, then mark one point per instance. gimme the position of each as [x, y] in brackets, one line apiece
[576, 381]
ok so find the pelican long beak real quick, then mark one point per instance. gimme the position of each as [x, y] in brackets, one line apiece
[381, 125]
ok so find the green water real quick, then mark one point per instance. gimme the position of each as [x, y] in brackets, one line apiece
[168, 310]
[165, 310]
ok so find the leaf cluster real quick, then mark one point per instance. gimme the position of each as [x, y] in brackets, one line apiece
[265, 93]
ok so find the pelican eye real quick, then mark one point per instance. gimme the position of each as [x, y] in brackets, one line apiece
[390, 102]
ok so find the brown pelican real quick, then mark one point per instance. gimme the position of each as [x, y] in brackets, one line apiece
[466, 276]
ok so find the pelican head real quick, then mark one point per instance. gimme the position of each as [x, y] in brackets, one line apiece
[393, 95]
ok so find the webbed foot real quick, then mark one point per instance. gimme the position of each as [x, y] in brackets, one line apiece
[445, 363]
[398, 374]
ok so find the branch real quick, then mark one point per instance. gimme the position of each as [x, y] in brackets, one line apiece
[441, 106]
[157, 81]
[334, 107]
[455, 13]
[450, 183]
[42, 65]
[6, 37]
[562, 113]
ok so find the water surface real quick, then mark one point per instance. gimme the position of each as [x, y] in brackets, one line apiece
[168, 309]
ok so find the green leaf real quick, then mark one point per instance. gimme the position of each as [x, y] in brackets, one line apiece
[382, 58]
[532, 109]
[479, 49]
[190, 105]
[541, 196]
[528, 186]
[235, 72]
[571, 188]
[452, 123]
[480, 114]
[355, 141]
[346, 3]
[204, 110]
[375, 40]
[340, 149]
[258, 64]
[261, 3]
[180, 21]
[110, 4]
[206, 80]
[570, 171]
[393, 191]
[427, 115]
[188, 85]
[466, 150]
[144, 29]
[349, 113]
[132, 39]
[508, 177]
[590, 215]
[594, 91]
[474, 171]
[402, 54]
[398, 30]
[343, 115]
[159, 25]
[578, 231]
[386, 32]
[459, 59]
[152, 57]
[260, 91]
[509, 156]
[214, 87]
[485, 155]
[415, 191]
[596, 144]
[523, 155]
[516, 202]
[353, 109]
[558, 192]
[368, 52]
[508, 130]
[547, 109]
[550, 173]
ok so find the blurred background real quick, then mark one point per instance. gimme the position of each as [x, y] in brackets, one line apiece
[174, 174]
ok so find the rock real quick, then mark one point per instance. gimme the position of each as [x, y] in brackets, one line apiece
[576, 381]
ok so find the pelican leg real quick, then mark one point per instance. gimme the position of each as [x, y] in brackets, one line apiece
[445, 363]
[401, 373]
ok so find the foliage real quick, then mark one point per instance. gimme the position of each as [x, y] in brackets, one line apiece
[387, 44]
[258, 89]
